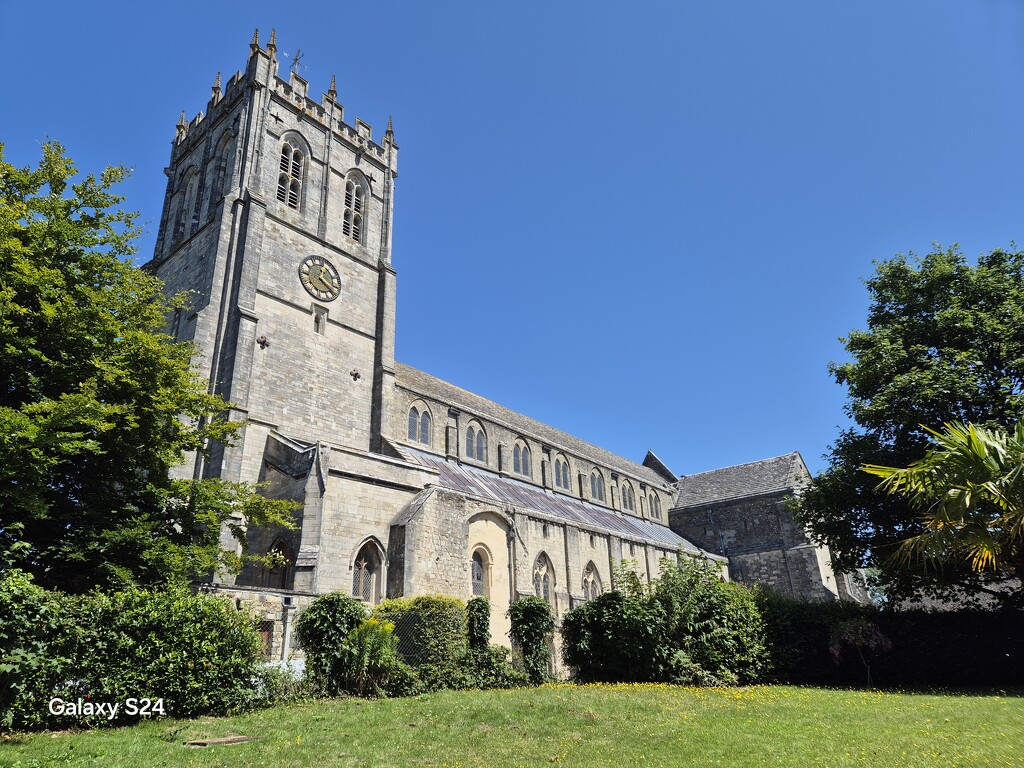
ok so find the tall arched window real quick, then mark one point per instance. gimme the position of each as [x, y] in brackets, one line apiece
[289, 180]
[280, 563]
[655, 502]
[628, 499]
[425, 428]
[521, 461]
[414, 424]
[367, 573]
[419, 425]
[591, 582]
[562, 474]
[543, 579]
[480, 568]
[186, 207]
[223, 163]
[597, 486]
[476, 444]
[355, 209]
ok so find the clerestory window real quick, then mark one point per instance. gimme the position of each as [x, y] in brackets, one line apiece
[476, 444]
[655, 507]
[419, 425]
[562, 474]
[521, 461]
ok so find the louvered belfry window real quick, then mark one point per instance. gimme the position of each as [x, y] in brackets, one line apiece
[289, 180]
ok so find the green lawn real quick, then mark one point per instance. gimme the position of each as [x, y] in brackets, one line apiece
[649, 725]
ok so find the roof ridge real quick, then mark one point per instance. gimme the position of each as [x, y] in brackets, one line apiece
[743, 464]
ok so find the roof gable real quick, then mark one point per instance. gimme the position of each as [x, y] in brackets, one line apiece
[776, 475]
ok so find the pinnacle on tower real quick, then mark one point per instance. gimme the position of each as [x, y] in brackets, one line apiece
[255, 44]
[272, 44]
[216, 87]
[179, 129]
[390, 132]
[332, 92]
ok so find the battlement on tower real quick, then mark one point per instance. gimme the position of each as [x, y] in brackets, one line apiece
[262, 70]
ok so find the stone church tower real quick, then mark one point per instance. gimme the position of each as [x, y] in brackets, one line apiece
[277, 220]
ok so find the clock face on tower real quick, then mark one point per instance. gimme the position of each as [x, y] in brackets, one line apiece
[320, 278]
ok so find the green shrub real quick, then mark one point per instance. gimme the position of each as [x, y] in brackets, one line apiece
[323, 630]
[687, 626]
[616, 637]
[196, 653]
[478, 623]
[716, 624]
[372, 663]
[478, 669]
[431, 629]
[532, 625]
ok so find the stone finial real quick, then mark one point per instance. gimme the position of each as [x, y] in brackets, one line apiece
[179, 129]
[332, 92]
[255, 44]
[272, 43]
[216, 88]
[389, 134]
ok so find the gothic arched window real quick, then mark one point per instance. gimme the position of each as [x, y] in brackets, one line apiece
[562, 474]
[591, 582]
[476, 444]
[355, 209]
[521, 461]
[367, 574]
[289, 180]
[419, 425]
[425, 427]
[480, 568]
[597, 486]
[655, 502]
[280, 562]
[184, 218]
[628, 499]
[543, 578]
[222, 166]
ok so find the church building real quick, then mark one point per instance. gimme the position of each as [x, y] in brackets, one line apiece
[277, 220]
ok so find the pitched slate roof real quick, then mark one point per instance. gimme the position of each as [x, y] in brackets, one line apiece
[430, 386]
[776, 475]
[475, 481]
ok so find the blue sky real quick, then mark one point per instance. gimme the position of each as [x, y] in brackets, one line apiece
[644, 224]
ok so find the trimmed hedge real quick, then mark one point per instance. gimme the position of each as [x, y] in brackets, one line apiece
[958, 649]
[431, 629]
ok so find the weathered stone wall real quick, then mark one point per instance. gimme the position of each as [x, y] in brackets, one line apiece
[763, 543]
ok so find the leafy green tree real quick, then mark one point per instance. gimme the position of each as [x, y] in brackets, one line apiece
[97, 403]
[944, 342]
[969, 490]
